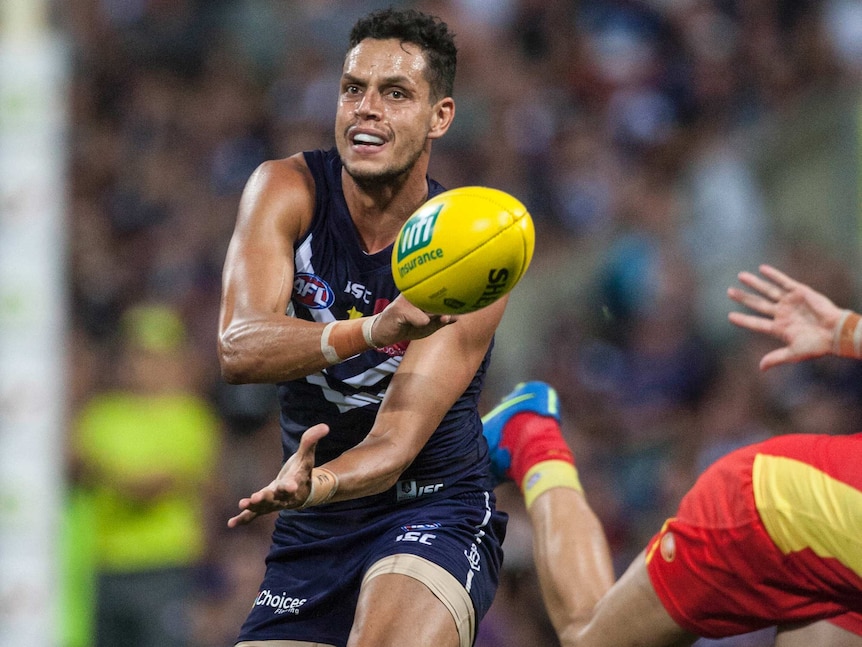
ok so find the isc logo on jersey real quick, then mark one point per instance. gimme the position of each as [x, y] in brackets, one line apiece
[417, 234]
[312, 291]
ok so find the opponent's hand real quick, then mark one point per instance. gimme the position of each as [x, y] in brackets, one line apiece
[792, 312]
[401, 320]
[290, 488]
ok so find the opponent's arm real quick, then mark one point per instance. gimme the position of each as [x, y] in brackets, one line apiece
[809, 323]
[257, 342]
[433, 374]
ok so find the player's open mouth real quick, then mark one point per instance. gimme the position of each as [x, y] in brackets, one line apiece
[371, 140]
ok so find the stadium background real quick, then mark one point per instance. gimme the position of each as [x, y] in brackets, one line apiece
[661, 146]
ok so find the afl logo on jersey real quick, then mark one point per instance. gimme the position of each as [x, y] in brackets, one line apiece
[312, 291]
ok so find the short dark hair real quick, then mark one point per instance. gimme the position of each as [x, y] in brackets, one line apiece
[430, 33]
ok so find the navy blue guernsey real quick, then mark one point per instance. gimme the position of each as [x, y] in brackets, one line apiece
[335, 280]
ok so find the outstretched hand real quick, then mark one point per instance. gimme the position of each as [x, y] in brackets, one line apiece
[290, 488]
[792, 312]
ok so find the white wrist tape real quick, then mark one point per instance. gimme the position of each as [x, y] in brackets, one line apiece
[367, 324]
[343, 339]
[326, 348]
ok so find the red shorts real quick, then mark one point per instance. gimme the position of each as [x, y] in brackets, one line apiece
[769, 535]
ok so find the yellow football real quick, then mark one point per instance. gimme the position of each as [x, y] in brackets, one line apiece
[462, 250]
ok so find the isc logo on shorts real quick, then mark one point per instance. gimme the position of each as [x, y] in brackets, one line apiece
[414, 489]
[419, 537]
[282, 603]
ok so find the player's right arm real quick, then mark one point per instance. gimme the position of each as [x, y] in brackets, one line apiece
[257, 342]
[809, 323]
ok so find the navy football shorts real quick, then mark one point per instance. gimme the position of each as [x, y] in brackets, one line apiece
[317, 562]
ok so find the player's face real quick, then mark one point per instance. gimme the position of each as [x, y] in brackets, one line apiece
[385, 114]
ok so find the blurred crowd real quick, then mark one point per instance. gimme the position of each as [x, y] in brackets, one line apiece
[661, 147]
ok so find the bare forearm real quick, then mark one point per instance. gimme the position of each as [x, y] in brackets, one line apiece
[270, 350]
[371, 467]
[274, 348]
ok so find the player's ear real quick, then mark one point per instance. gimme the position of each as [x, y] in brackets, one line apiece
[441, 117]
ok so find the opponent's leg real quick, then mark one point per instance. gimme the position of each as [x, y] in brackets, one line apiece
[822, 634]
[572, 559]
[570, 548]
[631, 615]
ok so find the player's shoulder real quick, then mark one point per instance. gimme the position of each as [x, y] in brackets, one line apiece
[280, 189]
[287, 173]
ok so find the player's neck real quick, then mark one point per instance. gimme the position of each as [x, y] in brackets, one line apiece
[379, 211]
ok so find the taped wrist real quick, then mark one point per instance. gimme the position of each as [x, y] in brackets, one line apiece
[848, 335]
[343, 339]
[324, 485]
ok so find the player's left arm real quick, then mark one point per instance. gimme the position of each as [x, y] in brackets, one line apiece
[434, 373]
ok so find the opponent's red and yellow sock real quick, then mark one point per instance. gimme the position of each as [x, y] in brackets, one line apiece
[541, 459]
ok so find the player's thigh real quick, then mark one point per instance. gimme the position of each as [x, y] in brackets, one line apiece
[396, 610]
[821, 633]
[630, 615]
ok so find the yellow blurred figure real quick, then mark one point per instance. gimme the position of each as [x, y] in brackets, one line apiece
[142, 454]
